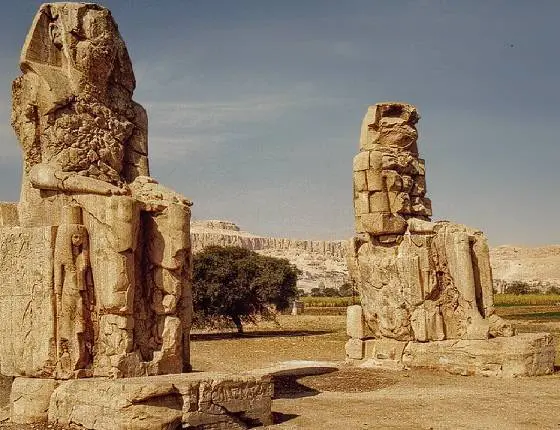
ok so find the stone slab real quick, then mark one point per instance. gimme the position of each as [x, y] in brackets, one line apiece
[355, 322]
[354, 349]
[527, 354]
[26, 270]
[200, 400]
[29, 399]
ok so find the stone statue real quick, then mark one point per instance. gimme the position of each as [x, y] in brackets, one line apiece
[85, 150]
[71, 291]
[418, 280]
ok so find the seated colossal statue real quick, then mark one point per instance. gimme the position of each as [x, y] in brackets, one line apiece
[114, 297]
[418, 280]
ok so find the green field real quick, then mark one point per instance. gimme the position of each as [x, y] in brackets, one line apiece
[499, 300]
[526, 299]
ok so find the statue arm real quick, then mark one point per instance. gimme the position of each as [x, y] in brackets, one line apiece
[47, 177]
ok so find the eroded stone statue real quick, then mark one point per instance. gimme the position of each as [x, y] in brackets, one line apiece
[95, 258]
[418, 280]
[116, 290]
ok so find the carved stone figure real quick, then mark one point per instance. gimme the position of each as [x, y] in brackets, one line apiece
[418, 280]
[72, 285]
[119, 286]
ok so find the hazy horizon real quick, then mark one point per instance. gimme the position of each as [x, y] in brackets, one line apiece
[255, 107]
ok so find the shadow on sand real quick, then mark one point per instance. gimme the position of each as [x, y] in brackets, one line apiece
[257, 334]
[289, 387]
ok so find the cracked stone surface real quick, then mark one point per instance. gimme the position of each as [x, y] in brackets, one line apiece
[199, 400]
[96, 254]
[419, 281]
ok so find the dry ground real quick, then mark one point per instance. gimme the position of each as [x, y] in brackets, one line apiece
[372, 399]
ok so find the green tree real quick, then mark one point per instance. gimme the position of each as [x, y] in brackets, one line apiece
[347, 290]
[236, 284]
[316, 292]
[330, 292]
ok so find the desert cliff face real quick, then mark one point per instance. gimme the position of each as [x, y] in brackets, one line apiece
[323, 261]
[537, 266]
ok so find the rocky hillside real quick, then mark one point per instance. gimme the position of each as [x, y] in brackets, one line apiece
[322, 262]
[538, 266]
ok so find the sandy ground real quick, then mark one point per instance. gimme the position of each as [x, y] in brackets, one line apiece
[415, 399]
[373, 399]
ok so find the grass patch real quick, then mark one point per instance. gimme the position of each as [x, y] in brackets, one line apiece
[329, 302]
[526, 299]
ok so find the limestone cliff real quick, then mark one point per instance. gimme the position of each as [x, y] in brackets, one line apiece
[321, 262]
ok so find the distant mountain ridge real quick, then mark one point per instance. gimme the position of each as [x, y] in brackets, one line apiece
[322, 262]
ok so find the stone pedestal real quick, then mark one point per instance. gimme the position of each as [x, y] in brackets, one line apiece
[528, 354]
[29, 400]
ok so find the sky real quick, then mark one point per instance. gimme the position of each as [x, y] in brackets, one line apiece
[255, 106]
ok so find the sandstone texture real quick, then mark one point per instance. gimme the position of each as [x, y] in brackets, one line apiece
[30, 398]
[417, 279]
[96, 256]
[194, 400]
[321, 262]
[95, 262]
[427, 285]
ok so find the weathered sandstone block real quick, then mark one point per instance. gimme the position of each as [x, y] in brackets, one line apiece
[27, 339]
[202, 401]
[427, 285]
[527, 354]
[418, 280]
[29, 400]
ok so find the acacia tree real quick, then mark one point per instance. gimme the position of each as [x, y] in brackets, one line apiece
[237, 284]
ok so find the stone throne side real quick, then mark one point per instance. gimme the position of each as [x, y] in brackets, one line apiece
[425, 287]
[96, 267]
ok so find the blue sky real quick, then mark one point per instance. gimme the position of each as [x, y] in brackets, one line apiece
[255, 105]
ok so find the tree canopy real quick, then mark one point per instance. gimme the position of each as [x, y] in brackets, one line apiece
[237, 284]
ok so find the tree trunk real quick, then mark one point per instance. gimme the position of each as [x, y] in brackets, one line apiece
[237, 321]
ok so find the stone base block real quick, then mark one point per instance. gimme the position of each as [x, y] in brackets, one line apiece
[200, 400]
[355, 322]
[528, 354]
[29, 400]
[354, 349]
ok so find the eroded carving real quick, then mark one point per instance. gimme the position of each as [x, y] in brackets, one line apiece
[119, 289]
[418, 280]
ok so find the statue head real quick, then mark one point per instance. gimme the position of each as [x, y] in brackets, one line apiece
[391, 126]
[83, 40]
